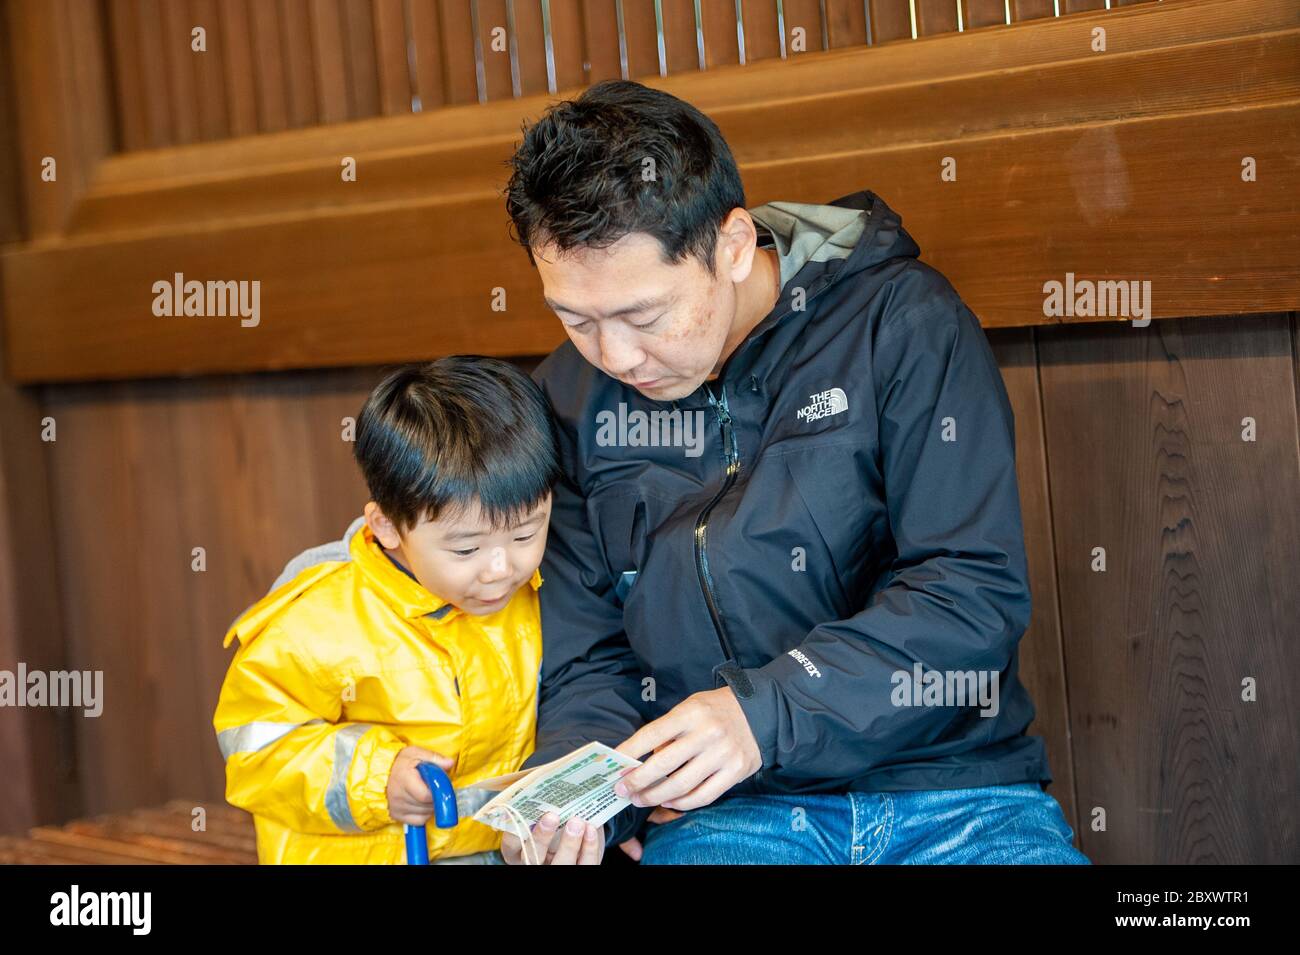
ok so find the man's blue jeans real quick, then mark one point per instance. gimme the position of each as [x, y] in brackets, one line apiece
[989, 824]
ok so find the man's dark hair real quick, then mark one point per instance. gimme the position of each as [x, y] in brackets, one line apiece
[577, 177]
[435, 437]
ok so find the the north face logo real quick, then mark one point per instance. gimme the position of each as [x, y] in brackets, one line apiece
[824, 403]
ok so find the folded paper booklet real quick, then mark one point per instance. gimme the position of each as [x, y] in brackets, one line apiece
[580, 784]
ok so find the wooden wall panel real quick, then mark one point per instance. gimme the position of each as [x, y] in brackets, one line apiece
[249, 470]
[391, 57]
[37, 747]
[846, 23]
[890, 20]
[127, 71]
[233, 29]
[458, 54]
[176, 22]
[1042, 655]
[1022, 10]
[60, 98]
[1091, 174]
[721, 41]
[1201, 536]
[600, 33]
[525, 27]
[37, 744]
[326, 25]
[210, 74]
[373, 54]
[495, 53]
[935, 16]
[568, 45]
[762, 32]
[641, 40]
[983, 13]
[803, 27]
[299, 63]
[268, 67]
[681, 42]
[359, 58]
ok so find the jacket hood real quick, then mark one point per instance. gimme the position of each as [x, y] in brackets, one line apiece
[816, 247]
[849, 234]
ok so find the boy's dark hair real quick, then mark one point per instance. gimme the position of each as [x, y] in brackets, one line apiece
[577, 176]
[434, 437]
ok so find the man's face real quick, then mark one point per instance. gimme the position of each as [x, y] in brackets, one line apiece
[659, 328]
[461, 558]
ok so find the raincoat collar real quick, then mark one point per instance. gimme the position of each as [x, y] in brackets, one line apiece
[402, 591]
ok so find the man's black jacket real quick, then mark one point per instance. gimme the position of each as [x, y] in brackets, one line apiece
[851, 513]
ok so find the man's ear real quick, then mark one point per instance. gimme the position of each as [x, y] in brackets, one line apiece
[383, 529]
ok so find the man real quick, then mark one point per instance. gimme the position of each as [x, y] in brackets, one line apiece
[786, 563]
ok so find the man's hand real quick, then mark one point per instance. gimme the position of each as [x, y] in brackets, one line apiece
[702, 747]
[578, 843]
[409, 799]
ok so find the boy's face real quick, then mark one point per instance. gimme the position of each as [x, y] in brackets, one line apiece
[462, 559]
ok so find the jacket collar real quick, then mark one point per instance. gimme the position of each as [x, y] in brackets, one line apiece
[406, 595]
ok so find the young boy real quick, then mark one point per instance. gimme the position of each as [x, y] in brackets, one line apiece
[416, 638]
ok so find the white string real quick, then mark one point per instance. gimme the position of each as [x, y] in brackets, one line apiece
[522, 833]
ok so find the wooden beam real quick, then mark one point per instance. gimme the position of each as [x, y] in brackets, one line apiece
[1068, 161]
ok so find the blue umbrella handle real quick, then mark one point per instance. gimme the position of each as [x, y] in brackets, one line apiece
[444, 813]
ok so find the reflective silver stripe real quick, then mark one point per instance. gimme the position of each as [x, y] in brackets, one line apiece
[471, 799]
[252, 737]
[336, 796]
[487, 857]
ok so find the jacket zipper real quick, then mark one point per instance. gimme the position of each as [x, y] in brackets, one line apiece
[702, 522]
[701, 541]
[741, 686]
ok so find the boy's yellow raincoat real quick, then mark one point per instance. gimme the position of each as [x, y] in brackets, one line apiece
[340, 668]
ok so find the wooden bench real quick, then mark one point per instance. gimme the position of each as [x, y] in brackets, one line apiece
[158, 836]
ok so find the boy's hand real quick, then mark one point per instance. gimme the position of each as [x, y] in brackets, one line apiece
[584, 846]
[409, 799]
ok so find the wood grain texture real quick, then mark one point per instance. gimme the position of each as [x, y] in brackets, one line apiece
[128, 80]
[183, 832]
[1042, 654]
[247, 469]
[61, 98]
[326, 25]
[299, 63]
[36, 744]
[237, 66]
[210, 73]
[600, 38]
[426, 35]
[391, 57]
[567, 41]
[1101, 187]
[1146, 460]
[269, 76]
[360, 58]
